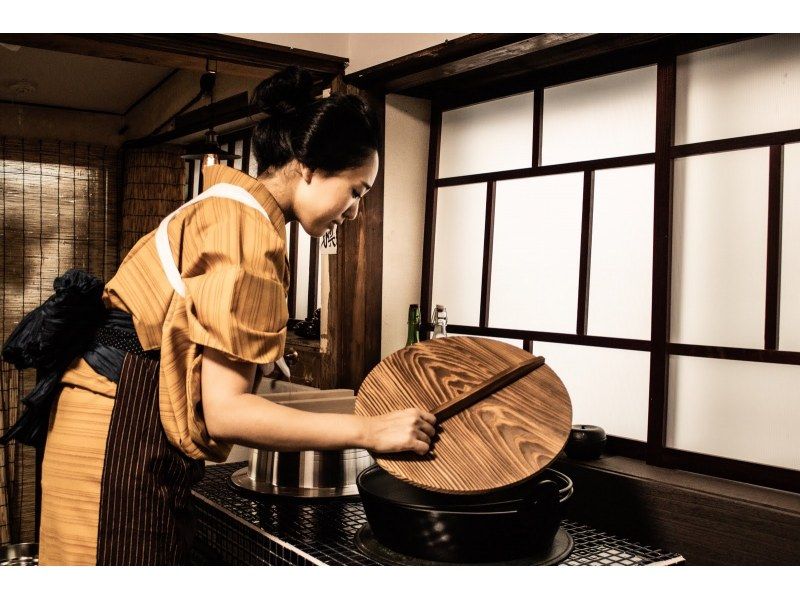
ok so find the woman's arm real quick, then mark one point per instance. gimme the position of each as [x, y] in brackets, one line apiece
[234, 415]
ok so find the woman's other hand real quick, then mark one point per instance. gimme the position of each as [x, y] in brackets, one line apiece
[398, 431]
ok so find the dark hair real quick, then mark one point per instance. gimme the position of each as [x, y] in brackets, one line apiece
[328, 134]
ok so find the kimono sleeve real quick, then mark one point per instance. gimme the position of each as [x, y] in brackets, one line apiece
[235, 300]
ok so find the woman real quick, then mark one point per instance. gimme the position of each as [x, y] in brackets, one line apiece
[194, 308]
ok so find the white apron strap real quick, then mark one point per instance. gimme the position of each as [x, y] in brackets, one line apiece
[171, 271]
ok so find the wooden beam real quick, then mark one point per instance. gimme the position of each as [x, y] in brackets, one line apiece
[498, 58]
[488, 247]
[231, 55]
[449, 50]
[313, 274]
[538, 116]
[203, 118]
[224, 110]
[629, 344]
[586, 252]
[581, 59]
[484, 60]
[735, 143]
[773, 300]
[293, 240]
[429, 236]
[735, 353]
[524, 173]
[662, 263]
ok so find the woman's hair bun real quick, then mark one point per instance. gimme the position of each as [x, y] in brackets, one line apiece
[285, 92]
[328, 134]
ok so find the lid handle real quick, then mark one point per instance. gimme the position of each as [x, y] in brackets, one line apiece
[492, 385]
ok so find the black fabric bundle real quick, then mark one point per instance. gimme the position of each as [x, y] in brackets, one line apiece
[49, 338]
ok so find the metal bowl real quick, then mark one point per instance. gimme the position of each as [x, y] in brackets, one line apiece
[303, 474]
[19, 555]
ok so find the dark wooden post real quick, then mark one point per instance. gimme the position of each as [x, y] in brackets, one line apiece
[355, 277]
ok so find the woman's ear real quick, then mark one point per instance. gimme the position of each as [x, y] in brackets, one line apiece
[306, 173]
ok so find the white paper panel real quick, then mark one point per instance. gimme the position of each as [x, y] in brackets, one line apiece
[303, 264]
[320, 258]
[237, 163]
[602, 117]
[486, 137]
[187, 185]
[196, 181]
[789, 337]
[608, 387]
[736, 409]
[622, 253]
[510, 341]
[738, 89]
[719, 249]
[458, 252]
[536, 253]
[253, 171]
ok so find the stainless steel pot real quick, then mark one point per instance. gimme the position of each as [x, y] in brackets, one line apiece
[303, 474]
[21, 555]
[306, 474]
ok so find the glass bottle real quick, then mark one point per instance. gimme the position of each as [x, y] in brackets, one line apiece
[439, 321]
[413, 324]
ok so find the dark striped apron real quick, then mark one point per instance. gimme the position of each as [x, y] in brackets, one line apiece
[145, 502]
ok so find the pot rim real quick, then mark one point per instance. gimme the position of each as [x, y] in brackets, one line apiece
[509, 505]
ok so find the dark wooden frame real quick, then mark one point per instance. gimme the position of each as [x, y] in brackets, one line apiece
[484, 66]
[654, 450]
[352, 341]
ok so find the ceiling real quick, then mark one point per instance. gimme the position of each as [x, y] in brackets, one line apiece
[74, 81]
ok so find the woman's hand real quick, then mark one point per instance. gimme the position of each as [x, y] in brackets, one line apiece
[232, 414]
[398, 431]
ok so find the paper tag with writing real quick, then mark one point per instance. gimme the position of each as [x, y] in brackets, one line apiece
[328, 242]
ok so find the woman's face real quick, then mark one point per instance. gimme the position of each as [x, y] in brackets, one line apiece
[321, 201]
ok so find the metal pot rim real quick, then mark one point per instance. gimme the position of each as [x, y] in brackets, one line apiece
[494, 507]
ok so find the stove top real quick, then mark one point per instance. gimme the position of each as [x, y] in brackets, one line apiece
[238, 529]
[366, 542]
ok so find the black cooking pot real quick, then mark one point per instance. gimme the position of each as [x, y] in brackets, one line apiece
[500, 525]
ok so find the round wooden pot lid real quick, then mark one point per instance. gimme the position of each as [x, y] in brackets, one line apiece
[502, 440]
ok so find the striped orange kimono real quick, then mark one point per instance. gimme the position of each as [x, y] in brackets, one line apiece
[120, 458]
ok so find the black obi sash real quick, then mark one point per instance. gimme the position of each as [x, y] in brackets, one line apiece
[73, 322]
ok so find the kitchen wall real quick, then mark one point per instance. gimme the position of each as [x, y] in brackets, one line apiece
[405, 172]
[65, 125]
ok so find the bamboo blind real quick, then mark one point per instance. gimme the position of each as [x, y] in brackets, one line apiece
[58, 212]
[13, 460]
[154, 187]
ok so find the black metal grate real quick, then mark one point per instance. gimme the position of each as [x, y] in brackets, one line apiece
[234, 529]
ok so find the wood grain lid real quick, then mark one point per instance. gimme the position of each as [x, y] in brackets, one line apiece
[503, 440]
